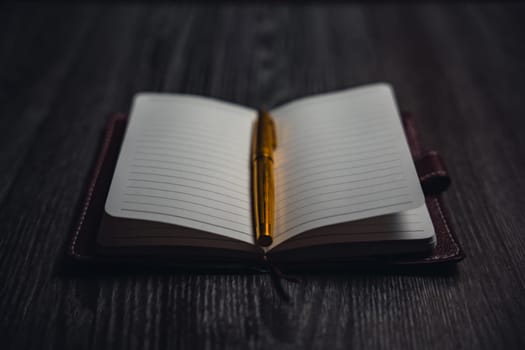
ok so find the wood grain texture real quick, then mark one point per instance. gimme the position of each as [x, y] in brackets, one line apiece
[64, 69]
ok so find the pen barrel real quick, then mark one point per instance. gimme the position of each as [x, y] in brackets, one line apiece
[264, 200]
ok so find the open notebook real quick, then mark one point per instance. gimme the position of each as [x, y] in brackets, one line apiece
[345, 181]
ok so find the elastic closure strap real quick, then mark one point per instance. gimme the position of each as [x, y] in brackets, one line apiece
[432, 173]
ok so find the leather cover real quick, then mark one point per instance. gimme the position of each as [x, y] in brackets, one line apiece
[430, 167]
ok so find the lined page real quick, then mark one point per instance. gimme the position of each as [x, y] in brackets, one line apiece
[186, 161]
[410, 225]
[341, 157]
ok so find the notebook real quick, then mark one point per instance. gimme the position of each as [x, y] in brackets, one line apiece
[345, 181]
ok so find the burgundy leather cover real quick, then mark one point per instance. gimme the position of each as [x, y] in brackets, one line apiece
[430, 167]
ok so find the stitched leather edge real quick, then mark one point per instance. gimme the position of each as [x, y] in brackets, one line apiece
[94, 176]
[449, 233]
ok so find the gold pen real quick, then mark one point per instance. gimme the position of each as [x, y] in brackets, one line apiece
[264, 142]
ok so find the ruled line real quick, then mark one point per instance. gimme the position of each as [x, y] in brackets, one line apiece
[309, 204]
[177, 163]
[338, 144]
[179, 200]
[311, 179]
[339, 157]
[191, 181]
[342, 122]
[186, 193]
[180, 147]
[181, 126]
[201, 160]
[186, 186]
[187, 134]
[343, 134]
[290, 203]
[158, 205]
[229, 144]
[188, 140]
[304, 223]
[327, 169]
[183, 165]
[228, 228]
[318, 164]
[234, 183]
[293, 218]
[284, 194]
[176, 237]
[225, 160]
[326, 235]
[325, 153]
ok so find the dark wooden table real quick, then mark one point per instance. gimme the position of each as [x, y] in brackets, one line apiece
[65, 69]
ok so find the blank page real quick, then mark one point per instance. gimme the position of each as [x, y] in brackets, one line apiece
[341, 157]
[186, 161]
